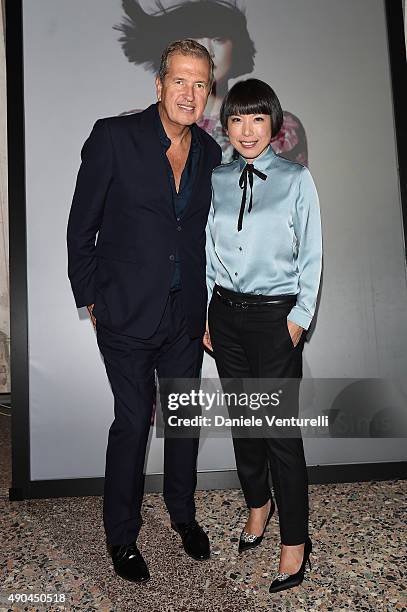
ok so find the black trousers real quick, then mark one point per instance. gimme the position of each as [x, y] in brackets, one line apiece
[255, 343]
[130, 363]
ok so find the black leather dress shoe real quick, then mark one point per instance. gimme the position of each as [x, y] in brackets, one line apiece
[194, 540]
[129, 563]
[249, 540]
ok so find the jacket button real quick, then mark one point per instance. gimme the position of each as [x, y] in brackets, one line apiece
[172, 257]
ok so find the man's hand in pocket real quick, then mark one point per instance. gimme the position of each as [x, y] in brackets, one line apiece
[92, 318]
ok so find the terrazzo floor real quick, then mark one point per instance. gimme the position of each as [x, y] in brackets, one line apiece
[358, 560]
[56, 546]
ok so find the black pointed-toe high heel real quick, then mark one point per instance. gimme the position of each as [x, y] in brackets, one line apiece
[288, 581]
[249, 540]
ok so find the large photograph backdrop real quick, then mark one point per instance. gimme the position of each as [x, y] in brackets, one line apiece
[328, 62]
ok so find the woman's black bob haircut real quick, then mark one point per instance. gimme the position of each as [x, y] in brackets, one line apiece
[252, 97]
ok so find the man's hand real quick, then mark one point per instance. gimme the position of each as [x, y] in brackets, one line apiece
[92, 318]
[207, 339]
[295, 331]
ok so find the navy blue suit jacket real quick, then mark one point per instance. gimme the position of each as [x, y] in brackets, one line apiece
[123, 198]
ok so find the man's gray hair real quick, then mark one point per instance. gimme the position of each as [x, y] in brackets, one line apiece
[188, 46]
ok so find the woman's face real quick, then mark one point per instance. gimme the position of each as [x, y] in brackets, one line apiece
[220, 50]
[249, 134]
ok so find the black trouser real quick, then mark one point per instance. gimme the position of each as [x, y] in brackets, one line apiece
[130, 363]
[255, 343]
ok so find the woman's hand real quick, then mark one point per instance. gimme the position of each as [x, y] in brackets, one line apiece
[207, 339]
[295, 331]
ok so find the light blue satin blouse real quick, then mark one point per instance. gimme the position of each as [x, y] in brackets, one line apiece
[279, 248]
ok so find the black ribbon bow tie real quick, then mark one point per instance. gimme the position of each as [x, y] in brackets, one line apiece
[248, 171]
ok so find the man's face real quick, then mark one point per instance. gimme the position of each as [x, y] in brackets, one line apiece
[185, 89]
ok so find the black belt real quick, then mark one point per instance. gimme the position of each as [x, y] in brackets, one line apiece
[255, 303]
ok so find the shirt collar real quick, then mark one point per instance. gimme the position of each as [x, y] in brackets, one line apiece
[196, 141]
[262, 162]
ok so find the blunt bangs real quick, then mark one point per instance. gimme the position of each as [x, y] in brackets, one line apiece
[252, 97]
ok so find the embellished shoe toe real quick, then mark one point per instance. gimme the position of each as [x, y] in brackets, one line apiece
[285, 581]
[249, 540]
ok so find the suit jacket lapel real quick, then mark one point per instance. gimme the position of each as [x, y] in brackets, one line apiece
[197, 178]
[145, 135]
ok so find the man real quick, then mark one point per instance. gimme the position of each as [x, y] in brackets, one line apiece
[145, 186]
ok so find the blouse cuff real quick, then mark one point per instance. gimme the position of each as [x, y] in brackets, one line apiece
[299, 316]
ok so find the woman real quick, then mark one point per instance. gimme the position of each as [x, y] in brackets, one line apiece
[222, 28]
[264, 253]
